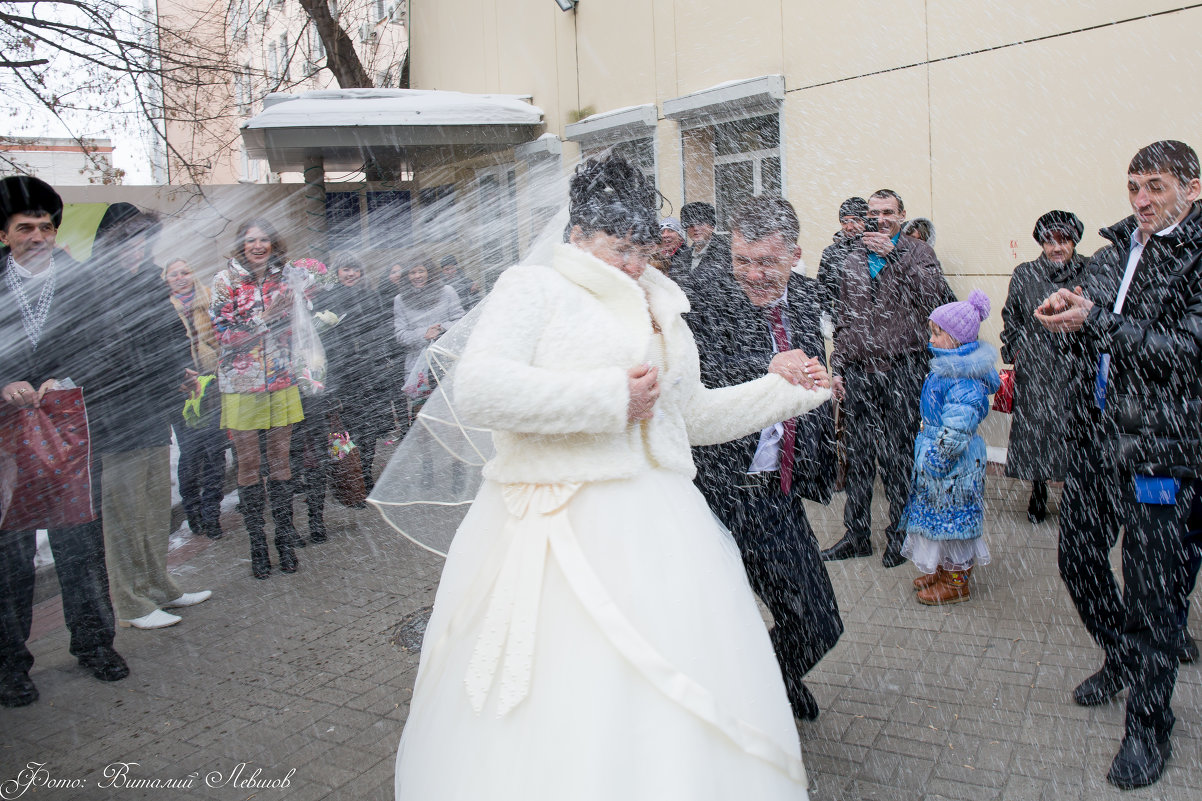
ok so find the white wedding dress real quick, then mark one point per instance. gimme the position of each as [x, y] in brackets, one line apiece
[597, 638]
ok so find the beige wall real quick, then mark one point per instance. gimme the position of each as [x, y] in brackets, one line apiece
[879, 93]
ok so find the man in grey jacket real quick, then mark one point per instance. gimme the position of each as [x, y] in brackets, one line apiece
[890, 285]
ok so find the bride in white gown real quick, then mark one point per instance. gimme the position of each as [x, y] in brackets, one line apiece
[594, 635]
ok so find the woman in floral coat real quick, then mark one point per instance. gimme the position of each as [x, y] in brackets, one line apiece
[251, 313]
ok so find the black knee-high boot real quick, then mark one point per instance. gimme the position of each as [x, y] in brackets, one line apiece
[250, 500]
[280, 493]
[1037, 507]
[315, 498]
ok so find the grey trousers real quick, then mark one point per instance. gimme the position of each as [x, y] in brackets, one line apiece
[136, 511]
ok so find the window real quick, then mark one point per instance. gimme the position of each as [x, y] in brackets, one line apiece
[381, 10]
[273, 62]
[243, 92]
[496, 216]
[746, 155]
[388, 221]
[239, 20]
[343, 226]
[628, 132]
[284, 57]
[730, 142]
[639, 152]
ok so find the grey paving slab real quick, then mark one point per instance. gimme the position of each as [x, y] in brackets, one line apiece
[307, 674]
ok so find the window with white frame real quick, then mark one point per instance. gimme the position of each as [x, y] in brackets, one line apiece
[496, 216]
[730, 142]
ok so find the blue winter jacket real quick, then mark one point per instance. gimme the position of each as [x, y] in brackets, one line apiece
[947, 496]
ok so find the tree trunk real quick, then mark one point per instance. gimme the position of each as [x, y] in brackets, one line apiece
[341, 57]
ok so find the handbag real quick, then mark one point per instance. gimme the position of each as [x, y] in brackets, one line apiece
[1003, 399]
[45, 464]
[346, 468]
[840, 448]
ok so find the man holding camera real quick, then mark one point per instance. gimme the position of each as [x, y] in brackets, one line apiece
[890, 285]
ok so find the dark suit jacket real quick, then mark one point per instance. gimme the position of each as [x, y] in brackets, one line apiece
[734, 339]
[710, 271]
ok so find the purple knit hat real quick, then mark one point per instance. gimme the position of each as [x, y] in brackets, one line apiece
[962, 319]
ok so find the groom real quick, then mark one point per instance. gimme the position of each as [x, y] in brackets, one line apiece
[756, 484]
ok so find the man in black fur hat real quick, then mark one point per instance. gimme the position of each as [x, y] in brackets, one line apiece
[40, 343]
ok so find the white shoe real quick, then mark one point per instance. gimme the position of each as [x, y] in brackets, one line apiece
[158, 619]
[189, 599]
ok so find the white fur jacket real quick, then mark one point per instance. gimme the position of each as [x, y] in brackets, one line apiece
[545, 369]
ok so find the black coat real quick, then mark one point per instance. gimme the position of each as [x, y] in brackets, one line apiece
[1039, 426]
[734, 339]
[1154, 392]
[357, 349]
[143, 348]
[830, 269]
[713, 269]
[65, 348]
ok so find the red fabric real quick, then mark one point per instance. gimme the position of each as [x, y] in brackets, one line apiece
[789, 442]
[45, 464]
[1003, 399]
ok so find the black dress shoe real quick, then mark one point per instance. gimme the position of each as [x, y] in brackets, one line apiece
[105, 664]
[805, 707]
[17, 690]
[1100, 687]
[1139, 762]
[1187, 649]
[847, 548]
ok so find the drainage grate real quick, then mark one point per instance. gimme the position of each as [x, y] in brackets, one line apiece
[409, 632]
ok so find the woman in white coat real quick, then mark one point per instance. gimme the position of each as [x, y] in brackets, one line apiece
[594, 635]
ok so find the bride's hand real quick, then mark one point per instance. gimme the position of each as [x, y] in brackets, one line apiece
[644, 390]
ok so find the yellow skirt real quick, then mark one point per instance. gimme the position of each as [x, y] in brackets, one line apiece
[258, 411]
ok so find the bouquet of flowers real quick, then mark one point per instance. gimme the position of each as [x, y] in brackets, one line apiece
[340, 445]
[322, 275]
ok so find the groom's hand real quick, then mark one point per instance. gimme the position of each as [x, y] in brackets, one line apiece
[795, 367]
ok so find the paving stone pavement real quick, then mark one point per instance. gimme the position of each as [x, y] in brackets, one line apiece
[306, 678]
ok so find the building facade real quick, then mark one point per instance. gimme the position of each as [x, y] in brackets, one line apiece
[61, 161]
[254, 48]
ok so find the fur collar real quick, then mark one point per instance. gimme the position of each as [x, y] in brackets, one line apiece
[974, 360]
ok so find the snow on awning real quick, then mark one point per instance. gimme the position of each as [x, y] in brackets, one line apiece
[346, 127]
[729, 100]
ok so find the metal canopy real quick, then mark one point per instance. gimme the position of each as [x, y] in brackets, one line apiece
[347, 128]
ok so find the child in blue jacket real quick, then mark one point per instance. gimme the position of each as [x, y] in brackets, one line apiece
[945, 512]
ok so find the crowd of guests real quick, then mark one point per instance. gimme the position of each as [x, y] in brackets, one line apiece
[1104, 352]
[162, 353]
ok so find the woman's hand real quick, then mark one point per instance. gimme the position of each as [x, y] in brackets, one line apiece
[799, 369]
[22, 394]
[643, 382]
[190, 386]
[434, 332]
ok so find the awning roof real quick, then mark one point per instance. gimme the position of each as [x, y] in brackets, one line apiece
[347, 127]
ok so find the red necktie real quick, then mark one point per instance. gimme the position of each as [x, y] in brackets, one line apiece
[789, 442]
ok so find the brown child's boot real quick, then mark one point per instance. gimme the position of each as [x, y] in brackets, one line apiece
[952, 590]
[929, 579]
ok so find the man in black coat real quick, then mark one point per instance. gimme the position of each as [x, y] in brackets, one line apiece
[710, 252]
[1136, 331]
[43, 338]
[757, 315]
[853, 217]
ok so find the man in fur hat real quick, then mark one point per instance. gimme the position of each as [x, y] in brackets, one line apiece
[40, 343]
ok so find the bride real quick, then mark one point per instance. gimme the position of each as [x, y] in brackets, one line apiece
[594, 635]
